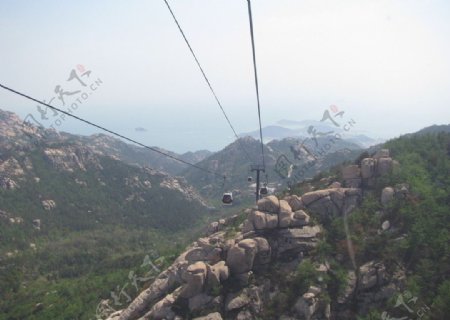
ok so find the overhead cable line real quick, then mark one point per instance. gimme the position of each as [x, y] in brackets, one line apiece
[111, 132]
[256, 79]
[207, 80]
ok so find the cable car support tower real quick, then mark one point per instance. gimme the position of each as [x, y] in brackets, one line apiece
[258, 168]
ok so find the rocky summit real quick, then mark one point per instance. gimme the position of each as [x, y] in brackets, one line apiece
[237, 270]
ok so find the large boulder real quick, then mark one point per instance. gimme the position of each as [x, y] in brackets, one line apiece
[217, 274]
[212, 278]
[272, 204]
[299, 219]
[384, 166]
[332, 202]
[214, 255]
[285, 219]
[258, 219]
[296, 240]
[367, 168]
[241, 256]
[195, 254]
[293, 219]
[271, 221]
[382, 153]
[264, 251]
[301, 233]
[352, 176]
[236, 301]
[371, 274]
[195, 277]
[269, 204]
[284, 206]
[313, 196]
[162, 310]
[205, 243]
[319, 202]
[250, 298]
[164, 283]
[387, 195]
[306, 306]
[295, 202]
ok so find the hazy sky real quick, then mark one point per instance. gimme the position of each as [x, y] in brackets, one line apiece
[386, 63]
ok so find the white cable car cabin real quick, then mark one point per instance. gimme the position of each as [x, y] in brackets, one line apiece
[227, 198]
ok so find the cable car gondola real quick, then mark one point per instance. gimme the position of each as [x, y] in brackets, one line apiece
[227, 198]
[249, 179]
[263, 190]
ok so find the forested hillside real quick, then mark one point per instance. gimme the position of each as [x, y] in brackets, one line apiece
[74, 221]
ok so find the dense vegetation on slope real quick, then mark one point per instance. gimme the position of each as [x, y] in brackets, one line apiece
[90, 241]
[418, 241]
[103, 217]
[425, 217]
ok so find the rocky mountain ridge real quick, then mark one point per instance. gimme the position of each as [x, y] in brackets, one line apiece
[304, 156]
[230, 161]
[230, 274]
[15, 132]
[65, 152]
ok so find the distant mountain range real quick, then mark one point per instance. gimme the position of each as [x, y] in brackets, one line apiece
[132, 154]
[233, 163]
[304, 129]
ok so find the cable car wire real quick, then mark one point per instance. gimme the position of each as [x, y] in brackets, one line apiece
[207, 80]
[111, 132]
[256, 79]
